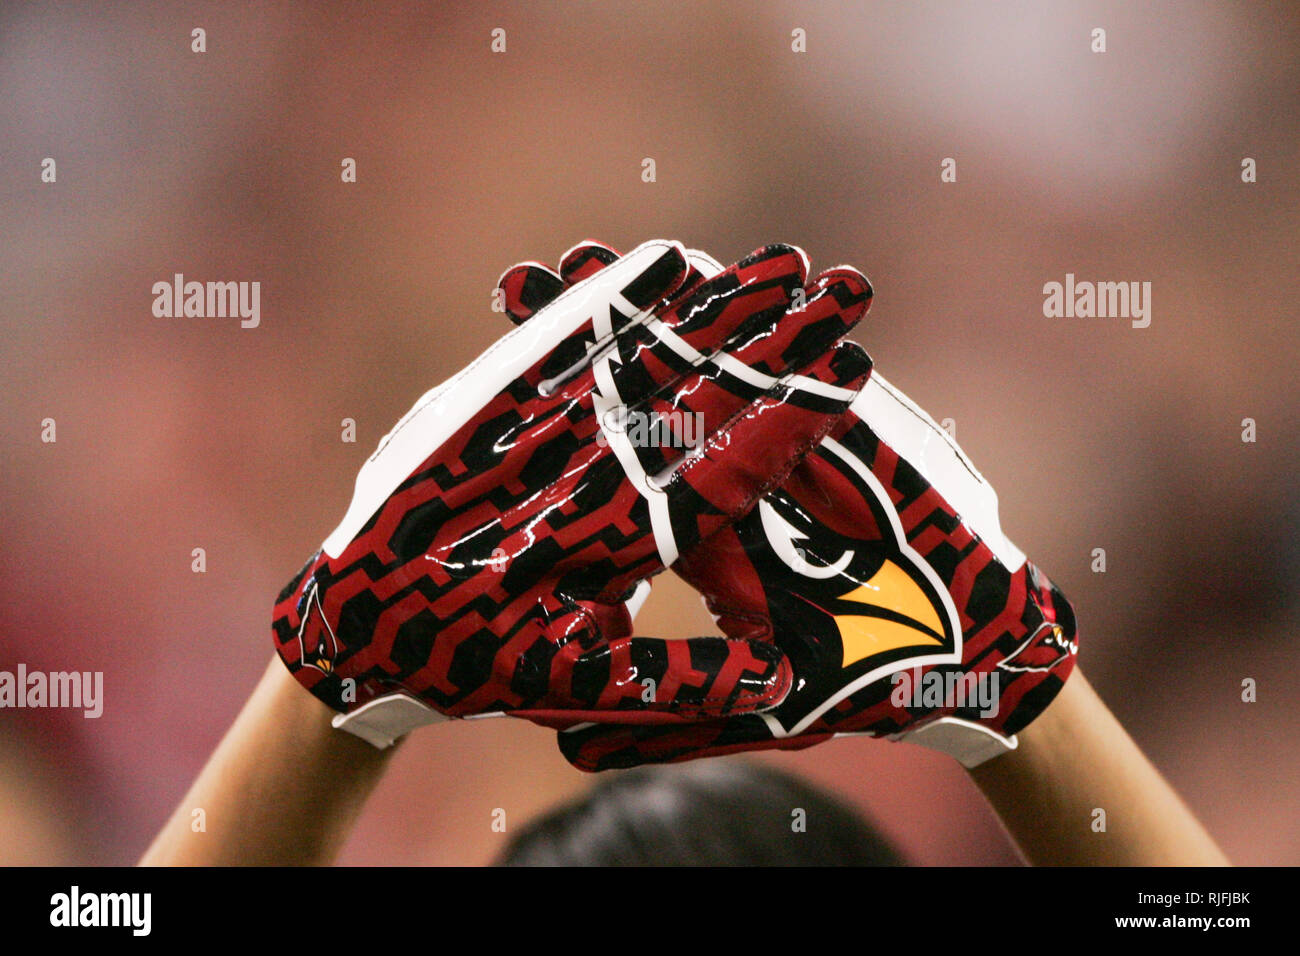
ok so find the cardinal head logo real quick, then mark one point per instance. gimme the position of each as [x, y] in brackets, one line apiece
[867, 604]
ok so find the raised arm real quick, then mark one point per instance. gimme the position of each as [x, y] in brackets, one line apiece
[283, 786]
[1074, 760]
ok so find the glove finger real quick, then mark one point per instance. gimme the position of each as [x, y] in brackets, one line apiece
[763, 351]
[589, 257]
[681, 415]
[666, 349]
[701, 268]
[586, 259]
[527, 288]
[755, 452]
[644, 680]
[595, 747]
[612, 317]
[834, 303]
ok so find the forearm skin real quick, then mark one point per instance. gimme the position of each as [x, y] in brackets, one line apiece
[1076, 759]
[282, 788]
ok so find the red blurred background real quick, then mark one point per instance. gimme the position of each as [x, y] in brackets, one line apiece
[182, 433]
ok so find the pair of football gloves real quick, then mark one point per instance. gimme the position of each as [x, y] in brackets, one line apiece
[651, 411]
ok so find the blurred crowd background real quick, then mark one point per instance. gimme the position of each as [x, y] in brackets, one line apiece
[174, 434]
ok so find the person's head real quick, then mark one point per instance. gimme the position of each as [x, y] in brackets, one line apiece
[707, 813]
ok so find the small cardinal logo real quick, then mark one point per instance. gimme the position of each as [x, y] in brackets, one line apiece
[317, 645]
[1041, 650]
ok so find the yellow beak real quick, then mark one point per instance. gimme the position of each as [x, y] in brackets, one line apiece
[891, 588]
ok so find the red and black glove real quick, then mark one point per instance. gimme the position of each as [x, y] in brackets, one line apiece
[497, 533]
[881, 572]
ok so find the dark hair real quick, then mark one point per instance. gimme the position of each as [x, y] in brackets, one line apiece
[708, 813]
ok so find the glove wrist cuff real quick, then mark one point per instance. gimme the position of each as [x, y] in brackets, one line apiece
[971, 744]
[383, 721]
